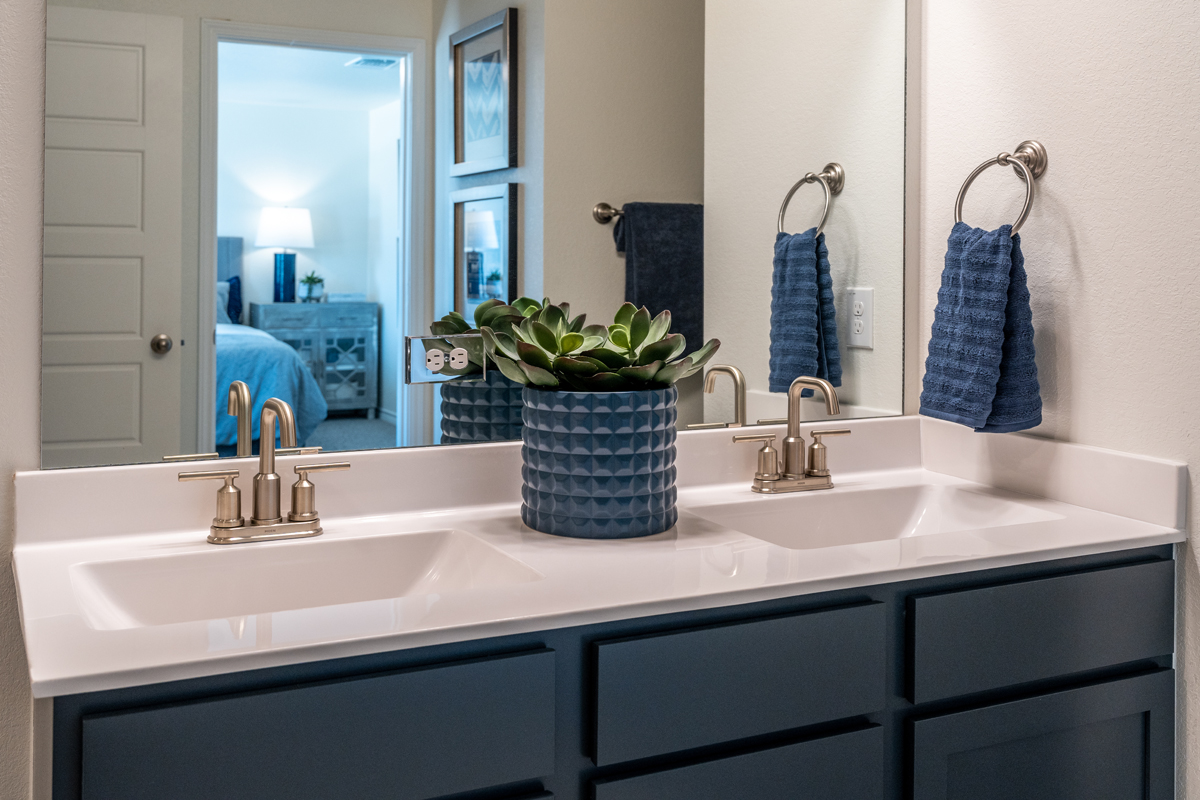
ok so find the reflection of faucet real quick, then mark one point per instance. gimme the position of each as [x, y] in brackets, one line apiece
[267, 521]
[790, 473]
[241, 405]
[739, 396]
[739, 390]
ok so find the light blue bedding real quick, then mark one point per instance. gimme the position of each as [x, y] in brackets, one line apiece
[271, 369]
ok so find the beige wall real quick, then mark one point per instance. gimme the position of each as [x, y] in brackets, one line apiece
[1111, 247]
[22, 60]
[790, 87]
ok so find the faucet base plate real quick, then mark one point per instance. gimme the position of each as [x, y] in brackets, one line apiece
[784, 485]
[265, 533]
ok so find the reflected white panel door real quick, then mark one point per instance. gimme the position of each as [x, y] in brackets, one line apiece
[114, 119]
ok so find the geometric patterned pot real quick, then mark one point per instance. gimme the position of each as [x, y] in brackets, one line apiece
[481, 411]
[599, 465]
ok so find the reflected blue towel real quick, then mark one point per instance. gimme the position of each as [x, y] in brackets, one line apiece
[803, 321]
[981, 371]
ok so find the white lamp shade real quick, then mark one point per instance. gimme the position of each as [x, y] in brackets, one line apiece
[481, 231]
[284, 227]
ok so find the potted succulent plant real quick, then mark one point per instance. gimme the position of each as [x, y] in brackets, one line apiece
[599, 421]
[314, 287]
[474, 410]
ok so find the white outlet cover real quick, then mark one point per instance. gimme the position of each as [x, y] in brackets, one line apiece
[861, 304]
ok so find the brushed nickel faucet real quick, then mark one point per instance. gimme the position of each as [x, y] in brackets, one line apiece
[739, 396]
[791, 472]
[241, 405]
[266, 521]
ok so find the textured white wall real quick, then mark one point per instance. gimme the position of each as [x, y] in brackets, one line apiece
[1112, 90]
[22, 77]
[789, 87]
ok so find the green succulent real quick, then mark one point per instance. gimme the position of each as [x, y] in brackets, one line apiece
[546, 349]
[493, 313]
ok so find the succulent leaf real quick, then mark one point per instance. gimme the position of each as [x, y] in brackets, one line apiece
[577, 366]
[443, 328]
[611, 358]
[659, 327]
[554, 319]
[672, 372]
[624, 315]
[663, 350]
[639, 327]
[459, 321]
[483, 308]
[576, 325]
[538, 376]
[701, 356]
[644, 374]
[619, 336]
[532, 354]
[595, 330]
[526, 305]
[601, 382]
[510, 370]
[570, 342]
[544, 337]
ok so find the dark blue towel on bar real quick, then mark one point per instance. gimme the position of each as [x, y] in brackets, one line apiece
[981, 371]
[803, 321]
[663, 245]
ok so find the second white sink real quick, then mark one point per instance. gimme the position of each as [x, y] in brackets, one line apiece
[808, 520]
[237, 580]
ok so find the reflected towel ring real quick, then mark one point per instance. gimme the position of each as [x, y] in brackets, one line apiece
[1029, 162]
[832, 180]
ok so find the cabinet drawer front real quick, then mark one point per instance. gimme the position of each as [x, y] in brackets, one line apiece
[283, 315]
[1108, 741]
[402, 736]
[843, 767]
[980, 639]
[347, 315]
[660, 694]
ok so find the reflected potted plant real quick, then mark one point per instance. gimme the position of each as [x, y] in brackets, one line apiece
[494, 287]
[313, 287]
[600, 416]
[474, 410]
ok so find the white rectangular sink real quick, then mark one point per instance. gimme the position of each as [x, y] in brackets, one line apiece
[809, 520]
[238, 580]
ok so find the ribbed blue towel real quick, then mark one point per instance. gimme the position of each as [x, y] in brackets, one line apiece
[981, 371]
[803, 321]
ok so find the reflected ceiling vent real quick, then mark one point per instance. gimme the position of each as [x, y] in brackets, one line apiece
[372, 62]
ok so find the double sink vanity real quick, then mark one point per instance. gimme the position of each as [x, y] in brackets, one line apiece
[955, 602]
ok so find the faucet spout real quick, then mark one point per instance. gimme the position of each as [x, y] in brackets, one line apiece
[287, 422]
[793, 444]
[241, 405]
[739, 389]
[266, 482]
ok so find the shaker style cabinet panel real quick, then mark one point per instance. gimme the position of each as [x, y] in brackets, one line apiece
[408, 735]
[665, 693]
[988, 638]
[1108, 741]
[845, 767]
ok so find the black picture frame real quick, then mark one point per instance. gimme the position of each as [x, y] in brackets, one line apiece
[502, 198]
[483, 69]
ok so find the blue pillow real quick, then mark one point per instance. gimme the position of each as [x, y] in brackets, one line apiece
[235, 299]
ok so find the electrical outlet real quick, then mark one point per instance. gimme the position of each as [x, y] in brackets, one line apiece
[861, 303]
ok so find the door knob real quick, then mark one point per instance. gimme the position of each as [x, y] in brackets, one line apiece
[161, 344]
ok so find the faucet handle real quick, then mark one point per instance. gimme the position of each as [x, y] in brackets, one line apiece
[304, 493]
[768, 456]
[298, 451]
[816, 451]
[229, 496]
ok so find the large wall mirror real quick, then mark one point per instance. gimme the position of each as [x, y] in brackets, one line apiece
[280, 192]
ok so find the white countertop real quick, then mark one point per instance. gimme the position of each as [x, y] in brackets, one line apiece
[73, 647]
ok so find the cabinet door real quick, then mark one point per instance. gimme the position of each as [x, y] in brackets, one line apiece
[409, 735]
[845, 767]
[1108, 741]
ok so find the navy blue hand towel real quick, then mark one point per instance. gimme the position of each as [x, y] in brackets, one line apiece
[981, 371]
[803, 321]
[663, 245]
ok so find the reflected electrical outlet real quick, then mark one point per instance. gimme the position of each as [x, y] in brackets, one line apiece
[437, 359]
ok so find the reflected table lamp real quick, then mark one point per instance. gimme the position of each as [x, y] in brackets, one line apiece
[285, 227]
[481, 235]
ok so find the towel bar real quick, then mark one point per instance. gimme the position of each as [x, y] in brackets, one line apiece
[1029, 162]
[832, 179]
[604, 213]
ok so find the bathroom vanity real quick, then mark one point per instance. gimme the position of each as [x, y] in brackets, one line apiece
[912, 632]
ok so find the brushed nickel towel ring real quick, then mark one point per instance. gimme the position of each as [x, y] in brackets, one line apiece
[832, 180]
[1029, 162]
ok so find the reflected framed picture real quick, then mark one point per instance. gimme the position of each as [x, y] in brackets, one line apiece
[483, 63]
[485, 245]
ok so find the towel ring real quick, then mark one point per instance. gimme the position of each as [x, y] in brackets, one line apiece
[832, 180]
[1029, 162]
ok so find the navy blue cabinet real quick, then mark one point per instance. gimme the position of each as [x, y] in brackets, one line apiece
[1049, 680]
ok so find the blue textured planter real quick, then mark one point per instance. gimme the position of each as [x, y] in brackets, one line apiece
[599, 465]
[481, 411]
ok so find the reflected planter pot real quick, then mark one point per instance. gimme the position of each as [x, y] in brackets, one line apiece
[481, 411]
[599, 465]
